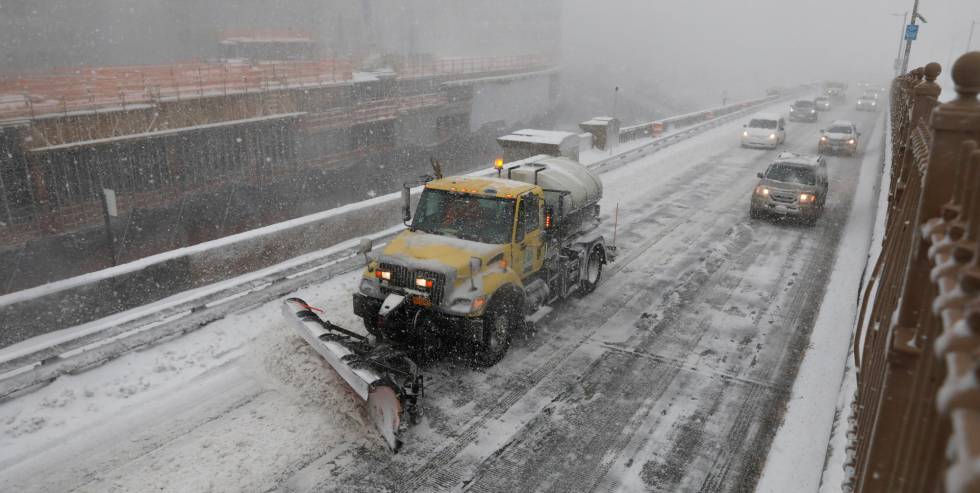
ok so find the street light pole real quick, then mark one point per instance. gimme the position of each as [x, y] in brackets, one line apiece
[908, 41]
[969, 39]
[901, 37]
[615, 100]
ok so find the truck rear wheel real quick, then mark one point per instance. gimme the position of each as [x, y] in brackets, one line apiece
[499, 322]
[593, 272]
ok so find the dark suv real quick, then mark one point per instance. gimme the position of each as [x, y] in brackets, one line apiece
[803, 110]
[794, 185]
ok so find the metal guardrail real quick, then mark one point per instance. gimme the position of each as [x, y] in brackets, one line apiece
[657, 127]
[41, 365]
[916, 416]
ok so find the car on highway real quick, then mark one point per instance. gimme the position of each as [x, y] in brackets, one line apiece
[867, 102]
[793, 186]
[764, 130]
[803, 110]
[841, 137]
[821, 103]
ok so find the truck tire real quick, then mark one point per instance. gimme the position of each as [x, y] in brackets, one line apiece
[593, 272]
[499, 322]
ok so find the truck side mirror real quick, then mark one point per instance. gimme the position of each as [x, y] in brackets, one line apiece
[406, 204]
[365, 247]
[476, 265]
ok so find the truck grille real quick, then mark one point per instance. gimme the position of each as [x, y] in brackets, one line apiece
[402, 277]
[783, 198]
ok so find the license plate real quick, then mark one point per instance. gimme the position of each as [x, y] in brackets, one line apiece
[421, 301]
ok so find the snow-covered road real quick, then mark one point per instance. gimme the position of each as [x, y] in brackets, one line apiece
[672, 376]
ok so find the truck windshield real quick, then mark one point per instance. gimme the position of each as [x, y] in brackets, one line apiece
[787, 173]
[469, 217]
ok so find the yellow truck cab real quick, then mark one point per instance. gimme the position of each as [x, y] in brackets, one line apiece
[481, 254]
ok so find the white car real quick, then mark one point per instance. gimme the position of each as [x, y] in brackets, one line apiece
[867, 103]
[840, 138]
[764, 130]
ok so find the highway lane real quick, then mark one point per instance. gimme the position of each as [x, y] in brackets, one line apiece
[670, 376]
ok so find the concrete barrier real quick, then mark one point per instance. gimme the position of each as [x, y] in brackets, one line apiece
[31, 312]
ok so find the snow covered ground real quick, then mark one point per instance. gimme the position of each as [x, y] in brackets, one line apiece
[672, 376]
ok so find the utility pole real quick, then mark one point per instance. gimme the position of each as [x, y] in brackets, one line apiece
[615, 100]
[908, 38]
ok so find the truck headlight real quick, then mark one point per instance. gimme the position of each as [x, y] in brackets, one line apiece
[806, 198]
[423, 283]
[852, 142]
[823, 139]
[761, 190]
[745, 133]
[384, 275]
[772, 136]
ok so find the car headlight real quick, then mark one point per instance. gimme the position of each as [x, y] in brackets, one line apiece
[761, 190]
[813, 111]
[745, 133]
[852, 142]
[772, 136]
[806, 198]
[823, 139]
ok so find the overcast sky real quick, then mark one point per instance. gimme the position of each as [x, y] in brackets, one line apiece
[744, 46]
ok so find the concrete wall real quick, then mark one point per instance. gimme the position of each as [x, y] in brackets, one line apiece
[510, 100]
[35, 311]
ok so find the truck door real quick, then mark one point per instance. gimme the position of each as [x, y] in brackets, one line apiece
[528, 251]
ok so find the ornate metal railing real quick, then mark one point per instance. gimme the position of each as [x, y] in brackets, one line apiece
[916, 417]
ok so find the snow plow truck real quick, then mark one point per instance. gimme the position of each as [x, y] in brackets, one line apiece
[480, 260]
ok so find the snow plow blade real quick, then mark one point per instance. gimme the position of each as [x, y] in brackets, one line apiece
[385, 379]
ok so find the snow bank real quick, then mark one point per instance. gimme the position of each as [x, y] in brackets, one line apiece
[799, 451]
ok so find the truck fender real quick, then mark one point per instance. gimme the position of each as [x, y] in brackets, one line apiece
[508, 291]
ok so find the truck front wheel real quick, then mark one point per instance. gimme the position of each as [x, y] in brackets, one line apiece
[500, 320]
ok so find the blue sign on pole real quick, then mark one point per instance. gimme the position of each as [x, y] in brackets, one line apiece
[911, 32]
